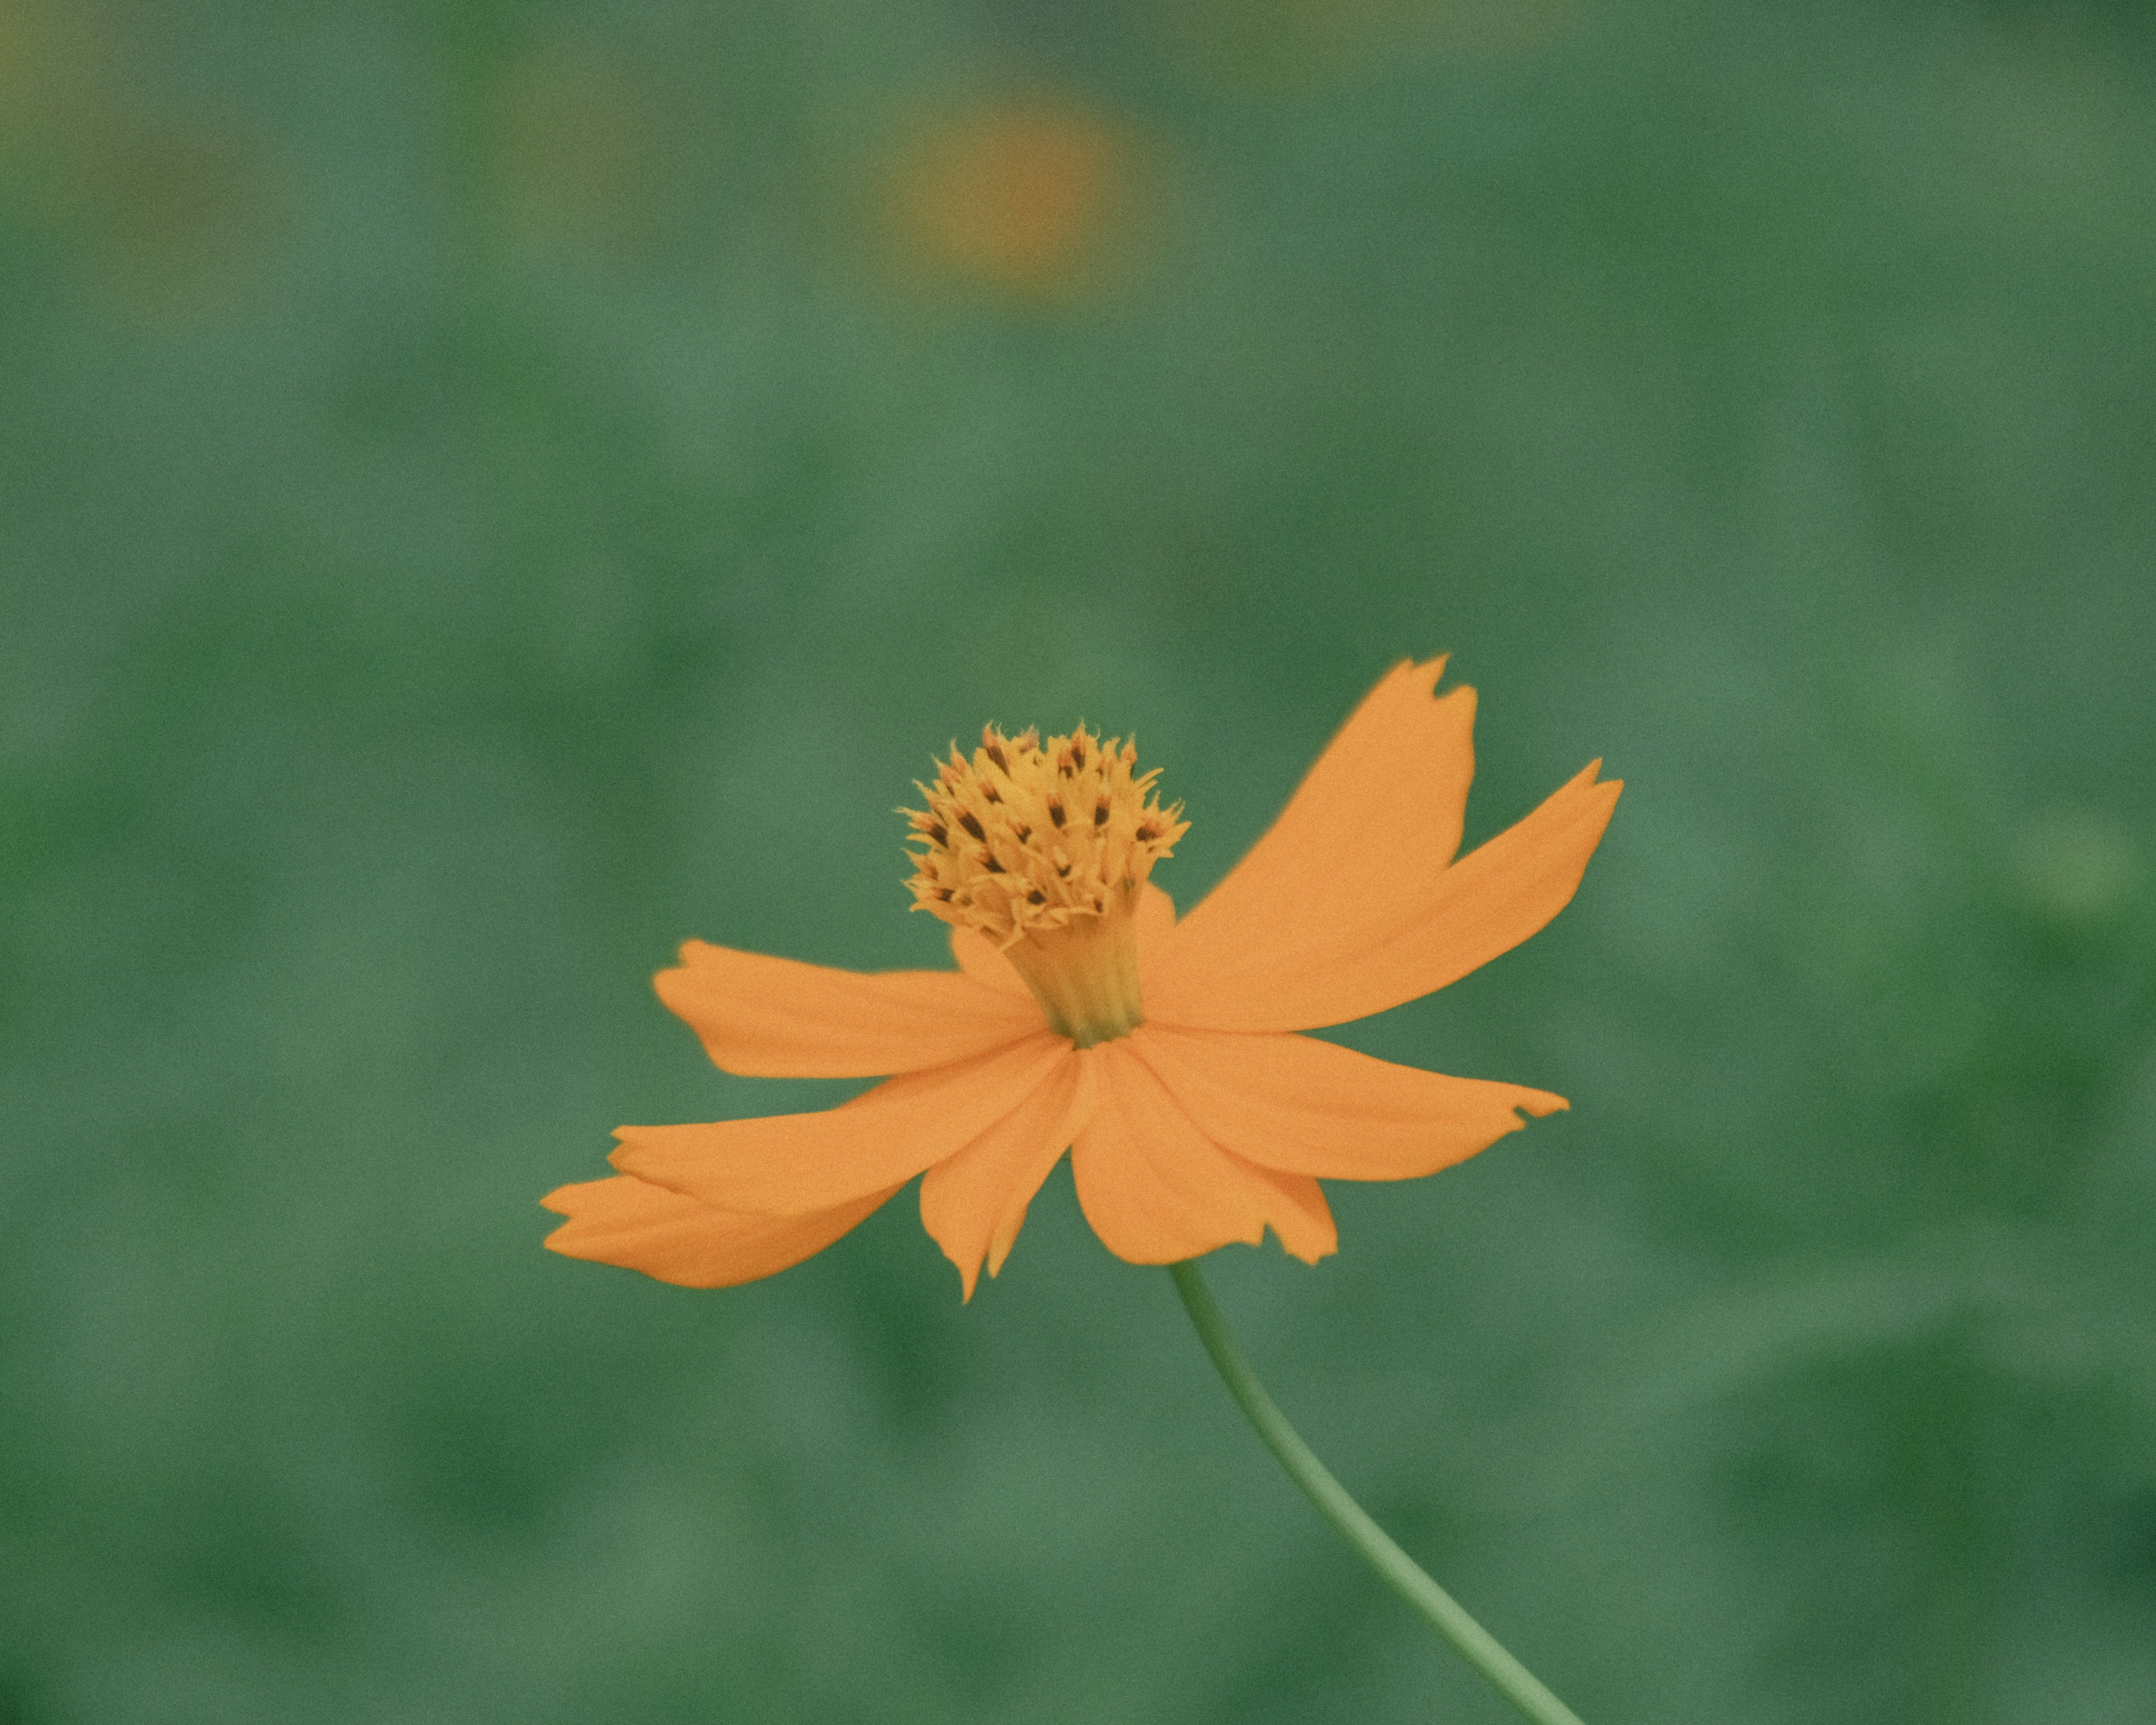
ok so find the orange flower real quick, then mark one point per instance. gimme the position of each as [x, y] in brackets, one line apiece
[1164, 1054]
[1037, 197]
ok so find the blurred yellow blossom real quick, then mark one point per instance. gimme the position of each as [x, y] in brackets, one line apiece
[1034, 198]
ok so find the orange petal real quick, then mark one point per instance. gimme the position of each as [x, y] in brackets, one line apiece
[974, 1203]
[778, 1018]
[679, 1240]
[1300, 954]
[978, 956]
[1375, 819]
[1305, 1106]
[1158, 1190]
[796, 1164]
[1156, 921]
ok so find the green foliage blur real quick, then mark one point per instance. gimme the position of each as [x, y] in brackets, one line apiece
[489, 491]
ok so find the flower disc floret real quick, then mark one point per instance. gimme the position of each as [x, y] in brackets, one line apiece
[1044, 848]
[1027, 838]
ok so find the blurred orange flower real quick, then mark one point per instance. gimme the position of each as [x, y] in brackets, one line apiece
[1165, 1054]
[1028, 197]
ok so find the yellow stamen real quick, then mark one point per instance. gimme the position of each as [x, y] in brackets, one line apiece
[1044, 848]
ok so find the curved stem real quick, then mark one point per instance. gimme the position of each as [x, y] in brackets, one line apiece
[1476, 1644]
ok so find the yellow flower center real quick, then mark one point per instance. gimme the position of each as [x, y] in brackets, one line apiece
[1044, 848]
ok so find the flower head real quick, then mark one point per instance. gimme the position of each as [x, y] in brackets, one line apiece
[1164, 1054]
[1045, 850]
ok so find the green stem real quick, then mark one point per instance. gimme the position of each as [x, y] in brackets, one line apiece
[1476, 1644]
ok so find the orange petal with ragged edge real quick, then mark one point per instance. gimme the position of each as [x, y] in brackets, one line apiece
[974, 1203]
[677, 1238]
[795, 1164]
[1292, 959]
[978, 958]
[778, 1018]
[1305, 1106]
[1377, 817]
[1158, 1190]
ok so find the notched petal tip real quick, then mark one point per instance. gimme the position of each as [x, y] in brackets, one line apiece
[1357, 849]
[1156, 1188]
[1327, 958]
[1589, 778]
[1423, 675]
[1302, 1106]
[973, 1202]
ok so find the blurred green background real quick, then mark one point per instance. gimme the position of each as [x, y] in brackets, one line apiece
[488, 491]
